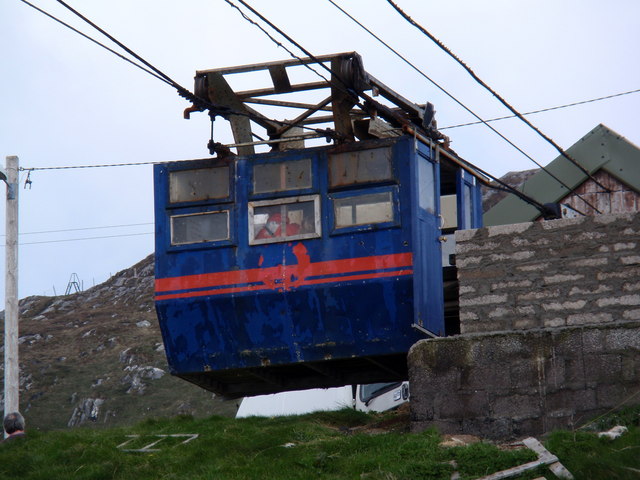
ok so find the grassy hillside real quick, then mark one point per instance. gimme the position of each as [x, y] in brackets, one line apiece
[95, 358]
[329, 445]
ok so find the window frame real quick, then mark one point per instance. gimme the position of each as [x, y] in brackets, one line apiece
[312, 188]
[395, 208]
[182, 212]
[202, 165]
[284, 201]
[392, 180]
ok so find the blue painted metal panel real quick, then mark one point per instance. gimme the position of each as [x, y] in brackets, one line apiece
[353, 293]
[427, 256]
[469, 201]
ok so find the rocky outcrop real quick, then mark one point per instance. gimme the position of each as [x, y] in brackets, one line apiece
[102, 349]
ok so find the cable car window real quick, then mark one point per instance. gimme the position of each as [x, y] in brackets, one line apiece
[426, 185]
[363, 166]
[281, 176]
[198, 184]
[467, 206]
[449, 211]
[199, 227]
[363, 209]
[277, 221]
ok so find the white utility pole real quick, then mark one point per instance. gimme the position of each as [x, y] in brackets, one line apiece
[11, 368]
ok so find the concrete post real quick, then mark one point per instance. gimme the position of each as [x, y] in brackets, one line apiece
[11, 368]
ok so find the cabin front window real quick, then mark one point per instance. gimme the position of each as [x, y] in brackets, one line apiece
[364, 166]
[363, 209]
[199, 184]
[199, 228]
[282, 176]
[283, 220]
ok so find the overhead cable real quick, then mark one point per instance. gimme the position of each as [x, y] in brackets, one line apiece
[85, 238]
[202, 103]
[442, 89]
[521, 195]
[83, 229]
[96, 42]
[344, 86]
[182, 91]
[493, 92]
[273, 39]
[542, 110]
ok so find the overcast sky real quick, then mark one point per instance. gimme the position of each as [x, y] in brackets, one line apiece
[66, 102]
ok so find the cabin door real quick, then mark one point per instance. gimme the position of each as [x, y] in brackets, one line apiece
[427, 252]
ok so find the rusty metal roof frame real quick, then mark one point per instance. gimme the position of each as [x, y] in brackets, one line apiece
[350, 102]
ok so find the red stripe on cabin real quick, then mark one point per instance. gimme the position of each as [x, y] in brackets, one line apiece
[285, 276]
[284, 285]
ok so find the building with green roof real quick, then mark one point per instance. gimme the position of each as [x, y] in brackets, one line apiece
[612, 161]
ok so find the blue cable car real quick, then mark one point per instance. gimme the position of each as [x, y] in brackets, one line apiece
[307, 267]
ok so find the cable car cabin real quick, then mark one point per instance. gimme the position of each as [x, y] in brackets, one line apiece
[304, 268]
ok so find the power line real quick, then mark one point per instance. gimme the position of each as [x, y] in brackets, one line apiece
[105, 165]
[216, 110]
[95, 41]
[84, 228]
[85, 238]
[201, 103]
[344, 87]
[480, 120]
[274, 40]
[521, 195]
[542, 110]
[182, 91]
[493, 92]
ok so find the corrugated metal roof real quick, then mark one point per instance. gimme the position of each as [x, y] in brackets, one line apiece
[601, 148]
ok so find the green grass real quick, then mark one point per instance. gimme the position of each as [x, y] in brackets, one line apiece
[329, 445]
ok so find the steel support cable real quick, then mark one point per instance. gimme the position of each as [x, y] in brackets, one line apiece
[344, 87]
[182, 91]
[480, 120]
[542, 110]
[522, 196]
[86, 238]
[41, 232]
[204, 104]
[493, 92]
[296, 44]
[95, 41]
[273, 39]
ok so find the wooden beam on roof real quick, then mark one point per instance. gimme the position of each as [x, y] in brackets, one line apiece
[281, 103]
[397, 99]
[254, 67]
[342, 103]
[262, 92]
[280, 79]
[220, 93]
[329, 118]
[303, 116]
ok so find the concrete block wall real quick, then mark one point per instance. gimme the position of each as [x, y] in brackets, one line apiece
[549, 274]
[511, 385]
[550, 322]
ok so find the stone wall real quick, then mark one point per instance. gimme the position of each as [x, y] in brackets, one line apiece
[549, 274]
[550, 321]
[501, 386]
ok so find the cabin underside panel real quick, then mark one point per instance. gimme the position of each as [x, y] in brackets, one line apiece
[235, 383]
[270, 342]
